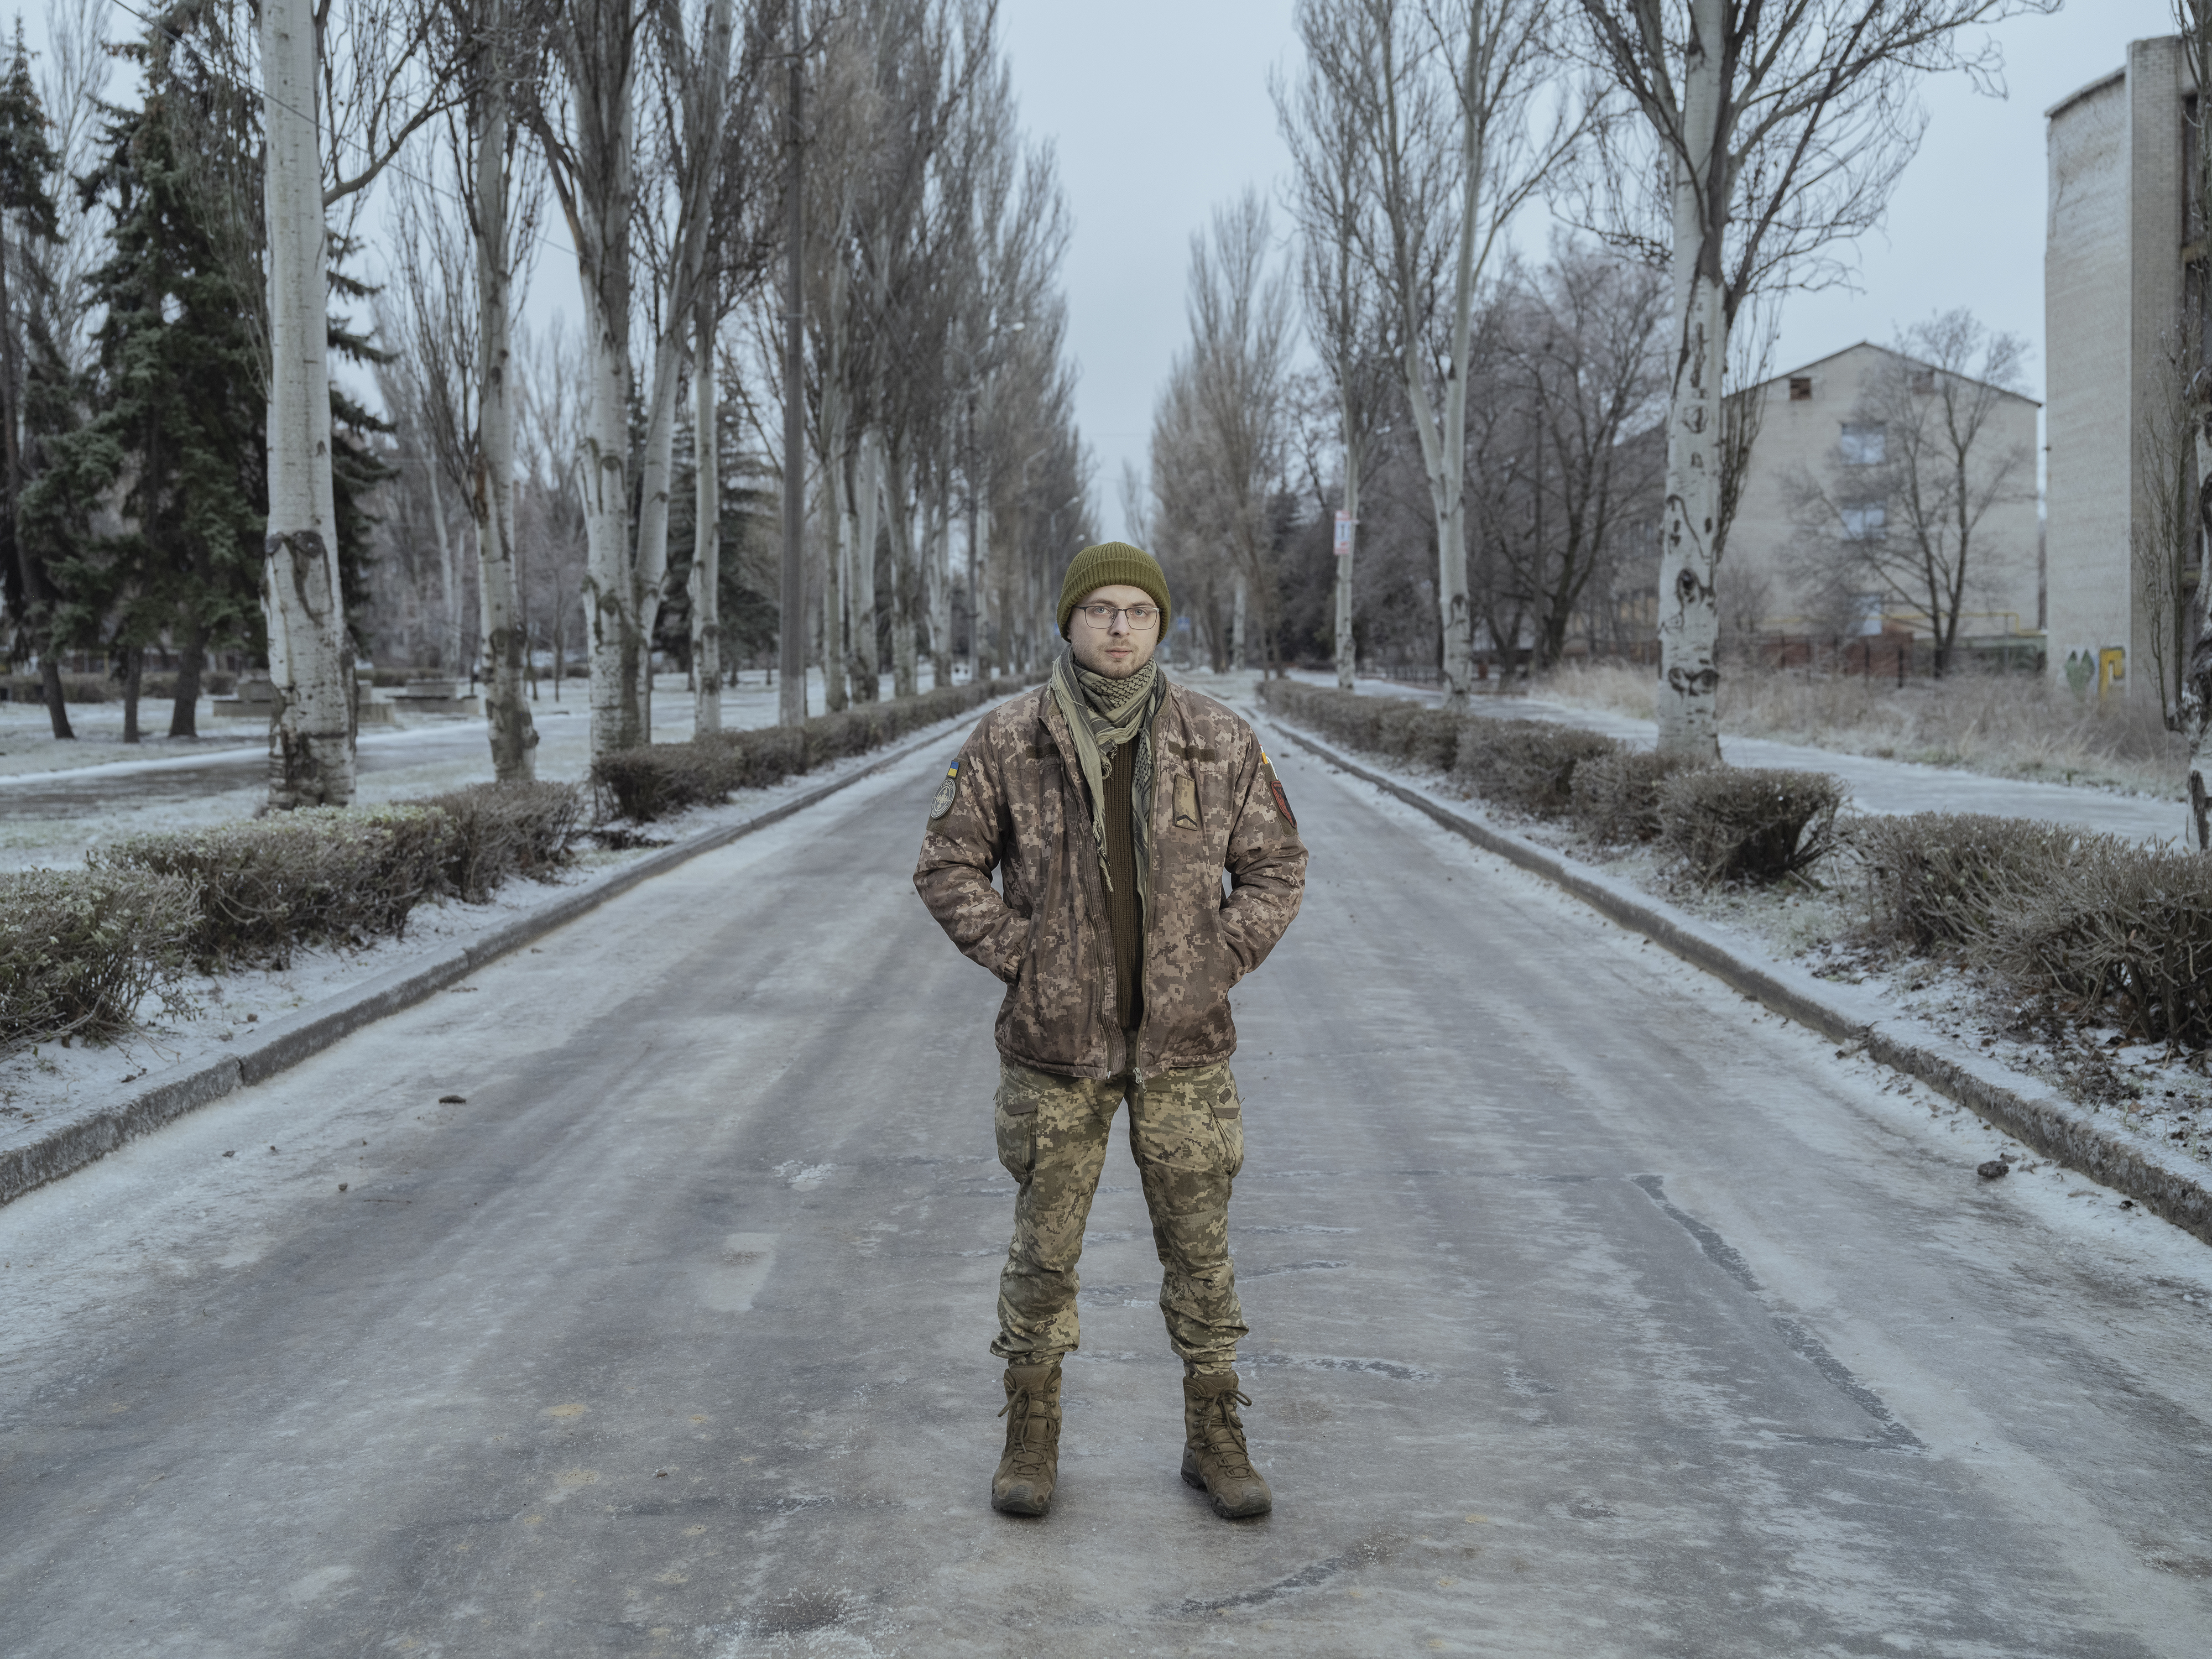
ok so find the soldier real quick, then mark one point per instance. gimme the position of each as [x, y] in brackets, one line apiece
[1111, 800]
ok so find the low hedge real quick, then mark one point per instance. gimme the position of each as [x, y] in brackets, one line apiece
[1528, 765]
[503, 830]
[1616, 796]
[80, 948]
[1930, 880]
[320, 875]
[1745, 823]
[2084, 923]
[2124, 930]
[661, 778]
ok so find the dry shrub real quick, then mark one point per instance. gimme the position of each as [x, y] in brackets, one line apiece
[1616, 796]
[502, 830]
[79, 948]
[1744, 824]
[1526, 764]
[2125, 929]
[662, 779]
[658, 779]
[1931, 879]
[323, 874]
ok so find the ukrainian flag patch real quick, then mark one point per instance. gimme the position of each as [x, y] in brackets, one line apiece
[946, 792]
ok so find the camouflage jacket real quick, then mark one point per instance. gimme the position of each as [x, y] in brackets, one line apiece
[1014, 802]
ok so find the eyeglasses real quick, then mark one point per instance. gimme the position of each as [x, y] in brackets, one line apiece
[1143, 618]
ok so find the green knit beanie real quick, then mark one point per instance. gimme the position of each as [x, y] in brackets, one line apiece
[1110, 564]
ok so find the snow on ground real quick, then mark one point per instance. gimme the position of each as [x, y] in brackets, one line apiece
[2160, 1102]
[178, 785]
[208, 1012]
[1876, 785]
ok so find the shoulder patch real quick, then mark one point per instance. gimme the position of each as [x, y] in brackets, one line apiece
[1275, 789]
[949, 789]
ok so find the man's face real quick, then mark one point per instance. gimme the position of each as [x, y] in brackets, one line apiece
[1117, 651]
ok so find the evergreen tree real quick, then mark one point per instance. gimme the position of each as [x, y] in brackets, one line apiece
[26, 209]
[176, 440]
[177, 409]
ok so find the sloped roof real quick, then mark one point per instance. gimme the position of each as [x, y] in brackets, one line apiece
[1869, 346]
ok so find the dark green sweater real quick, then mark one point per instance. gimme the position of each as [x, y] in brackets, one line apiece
[1125, 912]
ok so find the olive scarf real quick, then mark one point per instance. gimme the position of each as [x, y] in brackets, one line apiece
[1107, 716]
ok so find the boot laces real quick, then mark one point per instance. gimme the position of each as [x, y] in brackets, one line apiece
[1029, 1459]
[1224, 1432]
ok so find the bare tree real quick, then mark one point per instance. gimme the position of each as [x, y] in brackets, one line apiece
[1464, 120]
[1574, 374]
[586, 130]
[1903, 507]
[1239, 310]
[1347, 317]
[368, 68]
[1780, 127]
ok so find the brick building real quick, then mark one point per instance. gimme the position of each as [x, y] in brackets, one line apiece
[2113, 288]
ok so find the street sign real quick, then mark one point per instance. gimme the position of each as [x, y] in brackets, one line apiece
[1343, 534]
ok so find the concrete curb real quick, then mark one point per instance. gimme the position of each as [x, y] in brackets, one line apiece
[95, 1132]
[2018, 1105]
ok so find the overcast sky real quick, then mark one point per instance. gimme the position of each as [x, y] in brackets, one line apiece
[1159, 110]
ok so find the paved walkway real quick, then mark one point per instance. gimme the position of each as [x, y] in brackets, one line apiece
[634, 1298]
[1876, 785]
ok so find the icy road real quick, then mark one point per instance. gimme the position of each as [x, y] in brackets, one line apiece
[1594, 1313]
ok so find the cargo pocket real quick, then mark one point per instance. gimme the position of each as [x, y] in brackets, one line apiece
[1013, 1117]
[1228, 1124]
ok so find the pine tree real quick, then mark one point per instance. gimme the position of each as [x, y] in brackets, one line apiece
[26, 209]
[176, 411]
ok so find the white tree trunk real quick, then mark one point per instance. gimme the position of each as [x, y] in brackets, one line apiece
[449, 661]
[940, 576]
[707, 536]
[606, 191]
[1237, 650]
[656, 472]
[838, 561]
[978, 569]
[898, 515]
[507, 711]
[1346, 647]
[861, 595]
[310, 659]
[1689, 617]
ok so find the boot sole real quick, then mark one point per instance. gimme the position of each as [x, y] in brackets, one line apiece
[1196, 1482]
[1024, 1506]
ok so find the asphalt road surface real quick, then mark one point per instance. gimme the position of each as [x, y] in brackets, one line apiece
[1594, 1313]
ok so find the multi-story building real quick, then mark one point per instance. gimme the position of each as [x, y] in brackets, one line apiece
[1788, 574]
[2113, 289]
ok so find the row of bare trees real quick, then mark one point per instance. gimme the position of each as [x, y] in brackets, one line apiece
[684, 154]
[1563, 422]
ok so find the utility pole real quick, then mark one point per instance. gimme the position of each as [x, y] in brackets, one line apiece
[790, 698]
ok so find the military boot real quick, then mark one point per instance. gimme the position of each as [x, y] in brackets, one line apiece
[1214, 1459]
[1030, 1467]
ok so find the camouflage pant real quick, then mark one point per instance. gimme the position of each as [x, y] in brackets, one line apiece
[1188, 1131]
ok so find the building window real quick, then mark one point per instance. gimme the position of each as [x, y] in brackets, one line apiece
[1801, 388]
[1867, 522]
[1923, 381]
[1865, 443]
